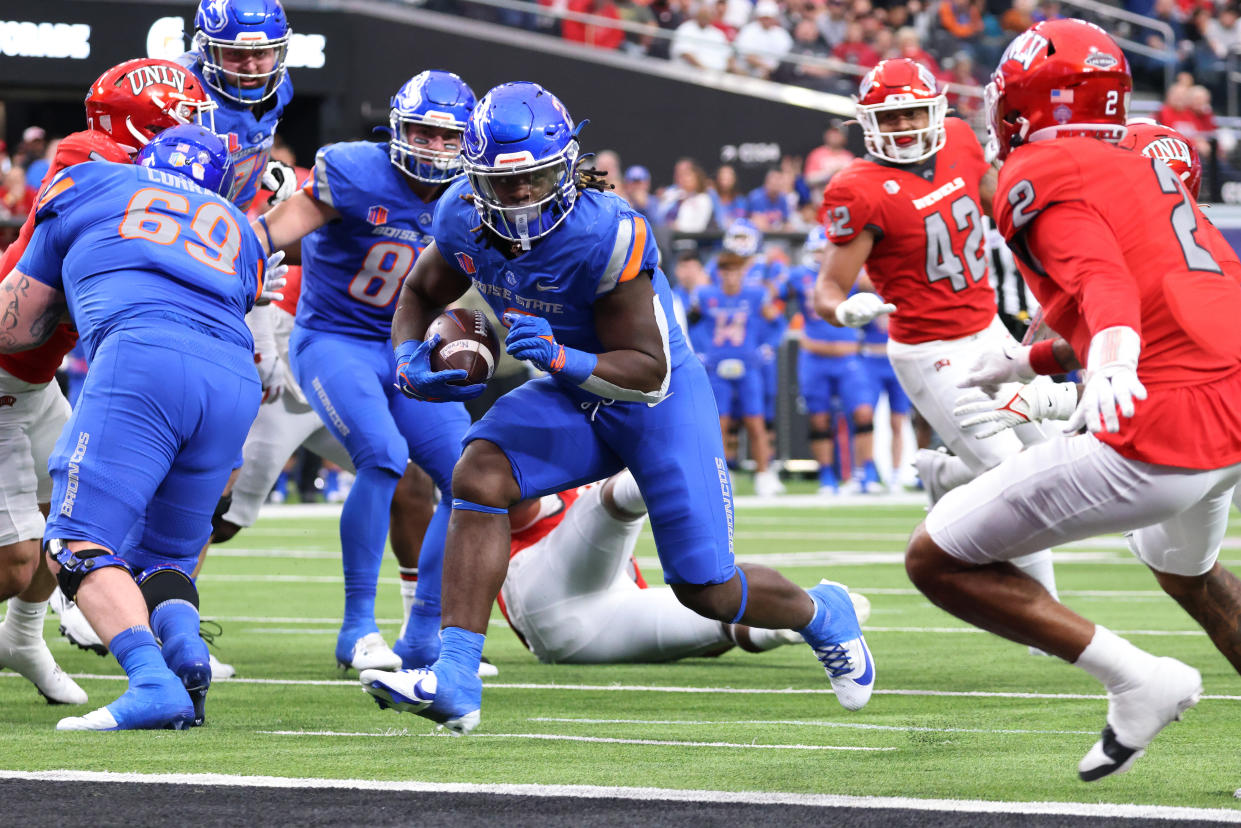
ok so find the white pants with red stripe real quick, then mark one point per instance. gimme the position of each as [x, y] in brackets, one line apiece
[573, 598]
[1067, 490]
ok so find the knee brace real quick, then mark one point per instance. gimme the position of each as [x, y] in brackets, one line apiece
[166, 582]
[864, 429]
[222, 530]
[821, 435]
[74, 566]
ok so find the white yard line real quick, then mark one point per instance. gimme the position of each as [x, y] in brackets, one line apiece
[1114, 810]
[554, 737]
[651, 688]
[803, 723]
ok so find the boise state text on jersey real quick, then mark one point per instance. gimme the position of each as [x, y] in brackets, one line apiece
[205, 241]
[353, 269]
[560, 282]
[249, 138]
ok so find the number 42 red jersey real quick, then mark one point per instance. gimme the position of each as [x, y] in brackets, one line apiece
[929, 257]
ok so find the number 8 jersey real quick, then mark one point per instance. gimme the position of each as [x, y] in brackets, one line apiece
[929, 257]
[353, 268]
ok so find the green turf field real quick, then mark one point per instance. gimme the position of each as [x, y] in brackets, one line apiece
[739, 722]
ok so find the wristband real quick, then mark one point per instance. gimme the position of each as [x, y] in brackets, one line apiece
[574, 365]
[1043, 358]
[262, 220]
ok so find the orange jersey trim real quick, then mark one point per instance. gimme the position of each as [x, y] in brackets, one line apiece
[634, 265]
[55, 190]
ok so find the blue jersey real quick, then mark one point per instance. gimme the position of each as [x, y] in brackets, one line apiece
[353, 269]
[601, 243]
[876, 332]
[126, 243]
[775, 210]
[801, 288]
[249, 139]
[734, 324]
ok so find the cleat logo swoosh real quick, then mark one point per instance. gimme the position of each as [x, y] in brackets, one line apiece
[868, 675]
[420, 694]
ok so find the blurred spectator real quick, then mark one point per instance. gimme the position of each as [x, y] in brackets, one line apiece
[737, 13]
[1223, 32]
[962, 72]
[30, 155]
[700, 43]
[833, 22]
[797, 193]
[762, 42]
[638, 190]
[686, 206]
[808, 43]
[826, 160]
[1047, 10]
[909, 45]
[854, 48]
[721, 23]
[1018, 18]
[639, 13]
[1178, 112]
[16, 197]
[961, 24]
[767, 206]
[609, 163]
[601, 37]
[729, 201]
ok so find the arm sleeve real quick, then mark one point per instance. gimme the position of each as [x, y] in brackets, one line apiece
[1079, 251]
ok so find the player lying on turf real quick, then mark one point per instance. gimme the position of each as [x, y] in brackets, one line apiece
[574, 593]
[1147, 294]
[157, 270]
[574, 273]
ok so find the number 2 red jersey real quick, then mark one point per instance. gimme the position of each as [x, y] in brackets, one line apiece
[930, 257]
[38, 365]
[1110, 237]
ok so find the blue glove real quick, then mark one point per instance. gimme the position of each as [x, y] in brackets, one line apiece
[416, 379]
[530, 338]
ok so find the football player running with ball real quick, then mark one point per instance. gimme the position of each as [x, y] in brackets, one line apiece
[911, 212]
[364, 220]
[574, 273]
[1120, 259]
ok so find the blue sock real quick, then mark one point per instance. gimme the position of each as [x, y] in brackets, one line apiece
[137, 652]
[431, 556]
[461, 649]
[176, 625]
[870, 474]
[331, 482]
[282, 484]
[363, 532]
[820, 614]
[827, 476]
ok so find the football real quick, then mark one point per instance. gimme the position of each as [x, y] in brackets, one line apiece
[467, 342]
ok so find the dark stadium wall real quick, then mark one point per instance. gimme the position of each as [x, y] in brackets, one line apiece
[649, 119]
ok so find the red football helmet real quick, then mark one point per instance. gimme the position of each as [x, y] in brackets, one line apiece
[1155, 140]
[136, 100]
[901, 84]
[1059, 78]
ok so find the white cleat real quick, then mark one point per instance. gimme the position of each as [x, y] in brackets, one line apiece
[419, 692]
[220, 670]
[34, 660]
[101, 719]
[767, 484]
[75, 627]
[1135, 716]
[371, 652]
[488, 670]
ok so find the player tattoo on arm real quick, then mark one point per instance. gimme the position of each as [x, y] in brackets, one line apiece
[29, 312]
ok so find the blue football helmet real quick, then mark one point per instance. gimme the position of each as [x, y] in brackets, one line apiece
[195, 153]
[435, 99]
[816, 239]
[743, 239]
[257, 26]
[521, 156]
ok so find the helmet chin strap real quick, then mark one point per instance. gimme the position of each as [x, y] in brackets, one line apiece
[523, 229]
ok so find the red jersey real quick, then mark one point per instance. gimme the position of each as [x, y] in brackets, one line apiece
[1110, 237]
[930, 256]
[38, 365]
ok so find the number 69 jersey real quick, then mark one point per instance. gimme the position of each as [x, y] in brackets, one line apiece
[929, 257]
[352, 269]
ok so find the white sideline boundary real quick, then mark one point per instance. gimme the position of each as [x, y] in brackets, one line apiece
[1085, 809]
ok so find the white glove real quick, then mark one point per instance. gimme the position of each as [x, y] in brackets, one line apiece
[861, 308]
[1111, 381]
[275, 280]
[995, 368]
[281, 179]
[1031, 403]
[270, 376]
